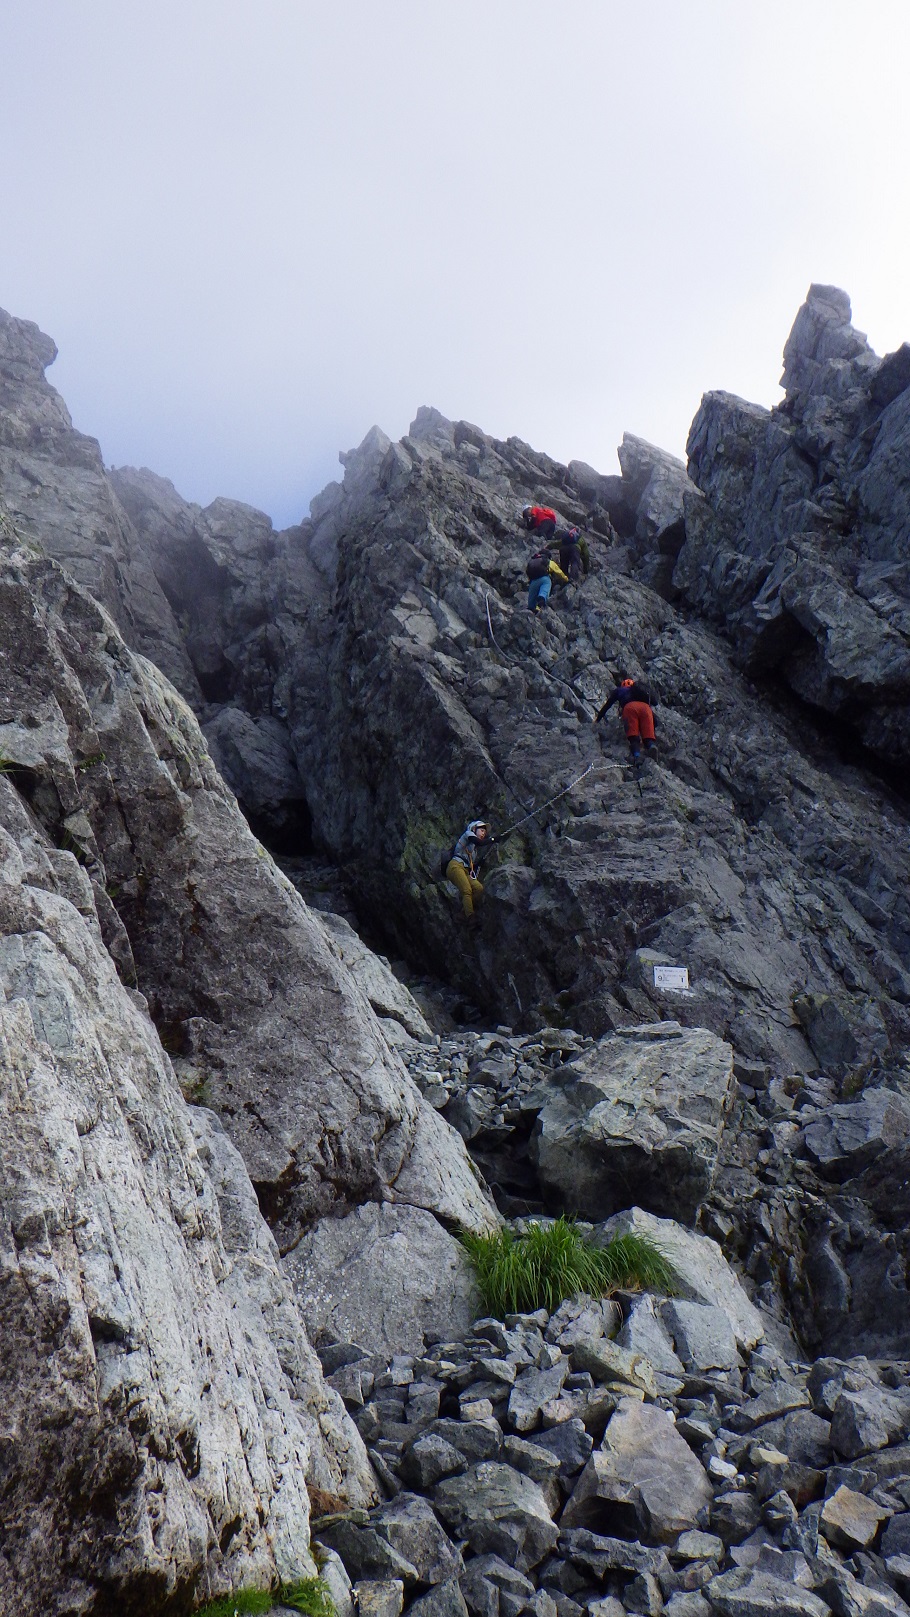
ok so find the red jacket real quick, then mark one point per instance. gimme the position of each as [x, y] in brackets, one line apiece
[539, 514]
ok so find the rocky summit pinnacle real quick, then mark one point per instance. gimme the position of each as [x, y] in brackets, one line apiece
[261, 1065]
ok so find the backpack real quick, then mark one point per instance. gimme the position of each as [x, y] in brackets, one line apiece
[538, 566]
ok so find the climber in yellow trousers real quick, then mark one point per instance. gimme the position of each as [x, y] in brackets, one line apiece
[464, 864]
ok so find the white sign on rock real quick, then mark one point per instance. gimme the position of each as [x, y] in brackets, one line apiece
[671, 976]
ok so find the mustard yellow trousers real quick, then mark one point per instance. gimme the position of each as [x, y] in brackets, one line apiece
[468, 885]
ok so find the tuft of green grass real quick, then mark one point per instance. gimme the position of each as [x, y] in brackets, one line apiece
[309, 1595]
[517, 1274]
[241, 1604]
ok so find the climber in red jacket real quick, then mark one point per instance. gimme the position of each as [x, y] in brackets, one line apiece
[539, 520]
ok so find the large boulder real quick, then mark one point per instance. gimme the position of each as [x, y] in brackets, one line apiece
[847, 1138]
[701, 1272]
[384, 1276]
[498, 1511]
[636, 1122]
[644, 1481]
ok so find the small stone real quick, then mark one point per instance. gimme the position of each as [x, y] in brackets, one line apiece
[566, 1606]
[334, 1355]
[430, 1459]
[847, 1597]
[443, 1600]
[353, 1382]
[391, 1482]
[896, 1537]
[802, 1435]
[560, 1576]
[530, 1459]
[423, 1402]
[643, 1595]
[867, 1420]
[570, 1443]
[409, 1524]
[599, 1554]
[702, 1334]
[377, 1597]
[333, 1574]
[542, 1604]
[779, 1512]
[476, 1440]
[684, 1604]
[697, 1546]
[734, 1516]
[367, 1555]
[607, 1361]
[531, 1391]
[801, 1482]
[645, 1334]
[485, 1578]
[899, 1568]
[581, 1319]
[473, 1409]
[497, 1510]
[751, 1592]
[851, 1520]
[776, 1400]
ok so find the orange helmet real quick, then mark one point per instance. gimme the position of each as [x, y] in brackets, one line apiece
[625, 682]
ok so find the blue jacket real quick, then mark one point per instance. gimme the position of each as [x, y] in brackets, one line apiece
[623, 694]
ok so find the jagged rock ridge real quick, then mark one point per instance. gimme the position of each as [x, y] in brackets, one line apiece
[756, 856]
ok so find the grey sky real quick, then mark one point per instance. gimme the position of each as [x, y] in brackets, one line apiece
[255, 227]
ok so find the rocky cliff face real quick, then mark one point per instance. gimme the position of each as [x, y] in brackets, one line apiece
[55, 490]
[212, 1141]
[162, 1407]
[800, 545]
[164, 1410]
[414, 692]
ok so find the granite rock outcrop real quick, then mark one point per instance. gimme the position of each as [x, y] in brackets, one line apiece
[799, 541]
[164, 1411]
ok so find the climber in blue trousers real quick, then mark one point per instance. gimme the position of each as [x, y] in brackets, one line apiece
[541, 570]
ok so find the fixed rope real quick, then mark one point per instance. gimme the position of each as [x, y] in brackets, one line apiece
[551, 800]
[571, 696]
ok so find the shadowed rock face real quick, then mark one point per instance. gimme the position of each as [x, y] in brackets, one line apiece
[754, 855]
[800, 546]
